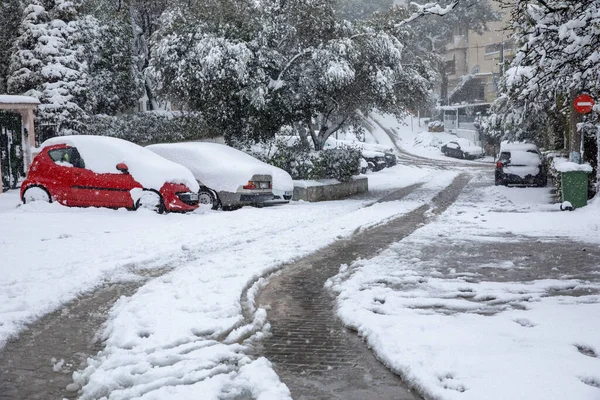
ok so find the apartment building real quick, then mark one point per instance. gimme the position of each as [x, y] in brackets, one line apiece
[474, 62]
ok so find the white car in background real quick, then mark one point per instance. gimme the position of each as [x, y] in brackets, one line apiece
[229, 178]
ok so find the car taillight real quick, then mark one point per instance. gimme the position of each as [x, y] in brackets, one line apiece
[251, 185]
[499, 165]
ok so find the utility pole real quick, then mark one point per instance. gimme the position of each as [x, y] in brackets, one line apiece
[575, 141]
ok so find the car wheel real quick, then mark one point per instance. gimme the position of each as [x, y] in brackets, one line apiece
[231, 208]
[207, 197]
[36, 193]
[150, 200]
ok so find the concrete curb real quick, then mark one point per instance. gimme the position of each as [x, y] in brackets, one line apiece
[329, 190]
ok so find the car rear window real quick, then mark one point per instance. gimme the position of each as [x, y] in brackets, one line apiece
[521, 157]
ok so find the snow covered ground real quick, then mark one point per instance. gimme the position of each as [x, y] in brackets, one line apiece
[188, 322]
[450, 333]
[466, 327]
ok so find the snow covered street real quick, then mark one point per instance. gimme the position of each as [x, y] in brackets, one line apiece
[497, 299]
[497, 291]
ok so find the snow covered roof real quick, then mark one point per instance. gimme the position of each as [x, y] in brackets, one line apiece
[101, 154]
[218, 166]
[8, 99]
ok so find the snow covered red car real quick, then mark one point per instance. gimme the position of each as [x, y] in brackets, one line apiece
[96, 171]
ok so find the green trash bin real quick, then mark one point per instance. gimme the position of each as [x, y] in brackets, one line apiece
[574, 187]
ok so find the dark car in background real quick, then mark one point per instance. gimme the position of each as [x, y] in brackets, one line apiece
[520, 164]
[462, 148]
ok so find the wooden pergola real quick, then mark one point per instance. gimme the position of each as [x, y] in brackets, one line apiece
[26, 106]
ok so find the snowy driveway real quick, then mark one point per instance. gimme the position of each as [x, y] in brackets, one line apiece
[52, 254]
[497, 299]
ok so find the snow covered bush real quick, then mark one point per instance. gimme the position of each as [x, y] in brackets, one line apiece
[301, 162]
[340, 163]
[148, 127]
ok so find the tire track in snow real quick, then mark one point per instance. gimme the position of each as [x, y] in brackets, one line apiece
[311, 350]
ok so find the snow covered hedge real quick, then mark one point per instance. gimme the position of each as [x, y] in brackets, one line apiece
[340, 163]
[149, 127]
[303, 163]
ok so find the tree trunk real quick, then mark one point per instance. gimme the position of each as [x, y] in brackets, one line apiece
[444, 84]
[312, 129]
[301, 129]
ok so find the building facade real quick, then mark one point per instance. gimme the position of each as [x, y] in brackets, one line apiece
[474, 62]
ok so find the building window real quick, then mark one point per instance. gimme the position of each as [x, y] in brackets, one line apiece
[495, 48]
[450, 67]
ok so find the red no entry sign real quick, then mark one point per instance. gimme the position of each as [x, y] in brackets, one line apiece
[584, 103]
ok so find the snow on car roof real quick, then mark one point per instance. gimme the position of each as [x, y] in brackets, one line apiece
[218, 166]
[101, 154]
[517, 146]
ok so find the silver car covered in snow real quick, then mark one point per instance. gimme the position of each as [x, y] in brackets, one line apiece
[228, 178]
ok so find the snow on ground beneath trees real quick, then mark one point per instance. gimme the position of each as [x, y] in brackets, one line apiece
[415, 139]
[457, 335]
[184, 330]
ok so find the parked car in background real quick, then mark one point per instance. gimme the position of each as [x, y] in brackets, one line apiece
[520, 164]
[375, 160]
[98, 171]
[228, 178]
[377, 156]
[462, 148]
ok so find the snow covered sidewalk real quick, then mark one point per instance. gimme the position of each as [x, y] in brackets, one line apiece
[498, 299]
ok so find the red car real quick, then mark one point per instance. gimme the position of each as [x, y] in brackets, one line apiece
[84, 171]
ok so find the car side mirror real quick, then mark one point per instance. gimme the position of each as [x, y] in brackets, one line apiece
[123, 168]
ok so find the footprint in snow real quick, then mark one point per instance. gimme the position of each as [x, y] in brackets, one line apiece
[524, 322]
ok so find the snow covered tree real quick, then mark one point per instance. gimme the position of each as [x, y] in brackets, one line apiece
[359, 9]
[252, 67]
[28, 53]
[208, 61]
[115, 78]
[47, 63]
[11, 12]
[557, 59]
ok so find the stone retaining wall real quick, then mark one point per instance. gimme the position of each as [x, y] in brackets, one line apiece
[331, 191]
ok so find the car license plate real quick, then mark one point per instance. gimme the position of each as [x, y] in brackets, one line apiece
[264, 185]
